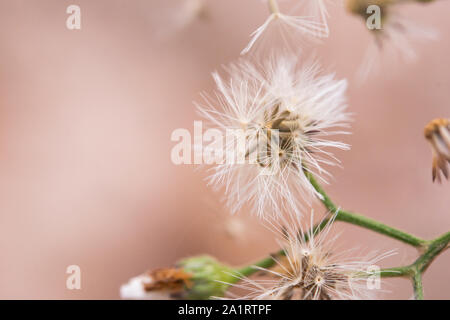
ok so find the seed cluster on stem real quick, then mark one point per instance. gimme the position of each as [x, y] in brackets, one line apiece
[429, 249]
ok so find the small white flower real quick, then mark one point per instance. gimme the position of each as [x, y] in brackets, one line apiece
[290, 26]
[311, 269]
[278, 116]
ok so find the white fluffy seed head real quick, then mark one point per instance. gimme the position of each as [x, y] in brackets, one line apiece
[278, 117]
[312, 269]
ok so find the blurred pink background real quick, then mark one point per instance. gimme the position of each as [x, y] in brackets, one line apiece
[86, 118]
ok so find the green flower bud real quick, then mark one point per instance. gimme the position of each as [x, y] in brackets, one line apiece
[207, 277]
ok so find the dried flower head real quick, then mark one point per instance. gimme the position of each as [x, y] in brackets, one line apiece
[286, 24]
[199, 277]
[437, 132]
[160, 284]
[278, 118]
[312, 270]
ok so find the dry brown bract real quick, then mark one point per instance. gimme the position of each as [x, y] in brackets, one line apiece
[172, 280]
[437, 133]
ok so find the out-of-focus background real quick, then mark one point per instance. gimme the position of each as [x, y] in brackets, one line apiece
[86, 119]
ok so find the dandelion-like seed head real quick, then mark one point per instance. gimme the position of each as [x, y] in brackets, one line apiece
[311, 269]
[278, 116]
[437, 132]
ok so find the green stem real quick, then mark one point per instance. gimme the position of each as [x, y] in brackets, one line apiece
[271, 261]
[434, 248]
[362, 221]
[418, 287]
[264, 263]
[359, 220]
[430, 249]
[396, 272]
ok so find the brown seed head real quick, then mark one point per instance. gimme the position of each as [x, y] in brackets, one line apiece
[313, 282]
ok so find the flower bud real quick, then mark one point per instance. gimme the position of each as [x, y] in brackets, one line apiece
[209, 277]
[199, 277]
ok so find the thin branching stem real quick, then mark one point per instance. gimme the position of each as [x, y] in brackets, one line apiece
[418, 286]
[429, 249]
[362, 221]
[271, 260]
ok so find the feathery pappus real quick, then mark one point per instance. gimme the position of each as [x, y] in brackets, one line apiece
[437, 132]
[315, 9]
[291, 27]
[278, 116]
[312, 269]
[393, 39]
